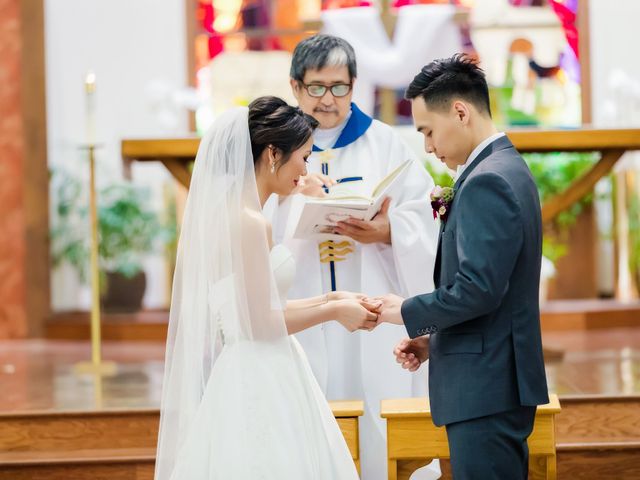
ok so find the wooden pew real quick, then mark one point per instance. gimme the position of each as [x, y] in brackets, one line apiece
[347, 413]
[413, 440]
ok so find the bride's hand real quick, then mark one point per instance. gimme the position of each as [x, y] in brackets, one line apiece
[372, 304]
[312, 185]
[344, 295]
[354, 314]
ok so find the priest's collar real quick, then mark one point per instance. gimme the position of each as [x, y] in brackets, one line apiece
[356, 126]
[324, 138]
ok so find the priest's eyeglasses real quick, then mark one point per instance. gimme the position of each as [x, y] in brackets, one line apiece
[337, 90]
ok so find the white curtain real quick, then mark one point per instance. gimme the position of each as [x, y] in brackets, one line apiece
[423, 33]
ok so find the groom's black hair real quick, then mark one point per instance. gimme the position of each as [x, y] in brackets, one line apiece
[273, 122]
[446, 79]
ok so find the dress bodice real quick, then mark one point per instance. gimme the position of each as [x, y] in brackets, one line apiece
[283, 266]
[221, 295]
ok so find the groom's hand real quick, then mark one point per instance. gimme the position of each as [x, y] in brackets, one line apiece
[390, 311]
[410, 354]
[377, 230]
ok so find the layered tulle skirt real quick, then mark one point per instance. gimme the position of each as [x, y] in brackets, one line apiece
[263, 416]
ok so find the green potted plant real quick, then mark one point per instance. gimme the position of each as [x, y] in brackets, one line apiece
[554, 173]
[127, 230]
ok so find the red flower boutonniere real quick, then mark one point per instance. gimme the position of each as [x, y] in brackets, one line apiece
[441, 199]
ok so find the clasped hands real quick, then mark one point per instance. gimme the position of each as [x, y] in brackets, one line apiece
[365, 313]
[356, 311]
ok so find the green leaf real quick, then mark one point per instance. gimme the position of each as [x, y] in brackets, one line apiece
[128, 229]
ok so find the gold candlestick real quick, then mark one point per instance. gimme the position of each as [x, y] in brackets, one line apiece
[96, 365]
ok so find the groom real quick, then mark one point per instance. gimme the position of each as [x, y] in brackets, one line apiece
[480, 328]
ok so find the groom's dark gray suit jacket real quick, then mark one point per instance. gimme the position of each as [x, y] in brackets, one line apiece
[483, 317]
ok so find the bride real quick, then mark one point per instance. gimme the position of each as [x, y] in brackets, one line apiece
[239, 398]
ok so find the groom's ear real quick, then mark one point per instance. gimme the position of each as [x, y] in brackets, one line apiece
[461, 111]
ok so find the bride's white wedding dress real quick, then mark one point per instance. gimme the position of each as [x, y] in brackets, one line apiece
[271, 420]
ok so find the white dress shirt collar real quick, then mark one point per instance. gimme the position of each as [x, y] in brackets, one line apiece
[476, 151]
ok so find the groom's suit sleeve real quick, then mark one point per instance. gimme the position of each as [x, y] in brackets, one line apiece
[488, 239]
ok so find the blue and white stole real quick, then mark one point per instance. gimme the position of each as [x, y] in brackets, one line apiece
[357, 125]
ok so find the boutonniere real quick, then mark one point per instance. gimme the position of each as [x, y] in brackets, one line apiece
[441, 198]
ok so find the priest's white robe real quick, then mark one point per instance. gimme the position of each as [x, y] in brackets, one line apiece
[361, 365]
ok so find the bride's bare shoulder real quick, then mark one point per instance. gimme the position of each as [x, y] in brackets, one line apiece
[255, 221]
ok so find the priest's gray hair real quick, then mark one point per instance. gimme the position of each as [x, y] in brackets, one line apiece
[319, 51]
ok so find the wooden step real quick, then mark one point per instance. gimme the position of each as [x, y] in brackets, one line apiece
[589, 314]
[593, 418]
[597, 437]
[71, 431]
[598, 419]
[82, 464]
[146, 325]
[80, 457]
[586, 461]
[599, 460]
[113, 445]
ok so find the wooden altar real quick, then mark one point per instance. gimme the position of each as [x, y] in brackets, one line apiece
[177, 154]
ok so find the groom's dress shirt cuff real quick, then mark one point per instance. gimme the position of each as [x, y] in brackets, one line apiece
[414, 321]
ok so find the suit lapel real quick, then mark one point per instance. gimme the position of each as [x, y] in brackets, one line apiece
[501, 143]
[436, 268]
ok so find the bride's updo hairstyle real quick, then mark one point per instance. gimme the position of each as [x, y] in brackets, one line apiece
[272, 121]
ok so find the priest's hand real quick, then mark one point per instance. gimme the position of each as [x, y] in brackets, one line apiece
[312, 185]
[390, 309]
[410, 354]
[376, 230]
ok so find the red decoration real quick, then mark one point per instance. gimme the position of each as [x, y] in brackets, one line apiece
[207, 15]
[568, 20]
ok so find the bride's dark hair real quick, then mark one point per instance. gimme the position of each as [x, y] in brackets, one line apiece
[272, 121]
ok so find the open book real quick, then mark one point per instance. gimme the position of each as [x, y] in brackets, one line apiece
[320, 215]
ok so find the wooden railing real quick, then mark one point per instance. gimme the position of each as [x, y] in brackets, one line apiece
[177, 154]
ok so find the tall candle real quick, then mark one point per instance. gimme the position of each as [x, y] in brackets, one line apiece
[90, 90]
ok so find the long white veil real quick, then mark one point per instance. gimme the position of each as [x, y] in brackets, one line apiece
[223, 287]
